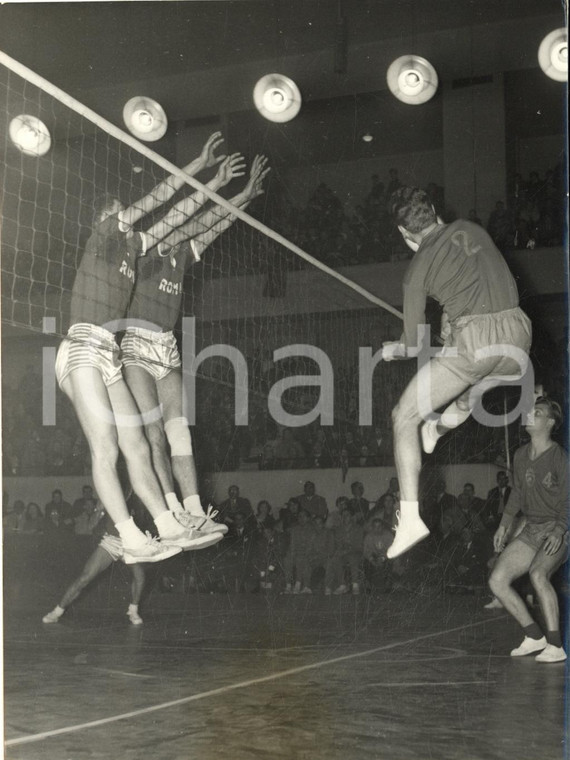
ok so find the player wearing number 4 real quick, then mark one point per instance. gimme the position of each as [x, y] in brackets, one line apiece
[459, 266]
[89, 371]
[149, 351]
[540, 491]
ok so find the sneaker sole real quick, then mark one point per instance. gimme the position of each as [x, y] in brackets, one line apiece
[407, 548]
[133, 559]
[193, 544]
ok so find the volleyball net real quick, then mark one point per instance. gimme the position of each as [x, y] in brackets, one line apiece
[253, 289]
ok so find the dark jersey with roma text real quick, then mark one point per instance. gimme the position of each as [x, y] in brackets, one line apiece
[106, 275]
[540, 488]
[459, 265]
[157, 296]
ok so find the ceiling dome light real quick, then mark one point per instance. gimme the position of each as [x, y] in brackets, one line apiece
[412, 79]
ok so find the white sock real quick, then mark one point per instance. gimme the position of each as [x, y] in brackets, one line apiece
[133, 608]
[57, 610]
[130, 534]
[193, 505]
[167, 525]
[410, 509]
[172, 502]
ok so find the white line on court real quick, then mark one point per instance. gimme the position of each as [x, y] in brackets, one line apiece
[240, 685]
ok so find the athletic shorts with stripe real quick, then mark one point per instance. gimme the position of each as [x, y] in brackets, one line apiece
[483, 342]
[155, 352]
[89, 345]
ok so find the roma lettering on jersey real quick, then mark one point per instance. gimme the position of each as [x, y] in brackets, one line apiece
[157, 297]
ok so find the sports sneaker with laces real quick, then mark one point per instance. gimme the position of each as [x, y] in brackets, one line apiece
[191, 539]
[551, 654]
[342, 589]
[134, 616]
[409, 532]
[529, 646]
[152, 550]
[203, 523]
[494, 604]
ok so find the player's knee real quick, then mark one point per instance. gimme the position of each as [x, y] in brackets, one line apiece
[538, 577]
[497, 582]
[105, 450]
[178, 435]
[403, 416]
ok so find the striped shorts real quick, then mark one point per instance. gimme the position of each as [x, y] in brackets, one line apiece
[112, 545]
[155, 352]
[89, 345]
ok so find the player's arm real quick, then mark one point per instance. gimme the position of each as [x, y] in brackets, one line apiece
[230, 167]
[205, 228]
[414, 316]
[554, 540]
[512, 508]
[165, 190]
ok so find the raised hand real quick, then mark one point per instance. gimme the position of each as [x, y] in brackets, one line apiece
[232, 166]
[207, 156]
[259, 170]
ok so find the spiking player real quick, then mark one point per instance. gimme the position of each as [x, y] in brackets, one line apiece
[540, 491]
[458, 265]
[89, 371]
[150, 354]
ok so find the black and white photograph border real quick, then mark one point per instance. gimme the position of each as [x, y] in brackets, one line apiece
[284, 381]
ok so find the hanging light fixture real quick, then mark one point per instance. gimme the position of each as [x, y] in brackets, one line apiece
[277, 98]
[145, 118]
[553, 55]
[412, 79]
[30, 135]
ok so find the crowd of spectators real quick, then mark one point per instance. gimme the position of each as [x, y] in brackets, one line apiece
[534, 213]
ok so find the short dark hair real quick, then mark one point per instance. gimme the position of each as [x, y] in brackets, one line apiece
[554, 410]
[102, 203]
[411, 208]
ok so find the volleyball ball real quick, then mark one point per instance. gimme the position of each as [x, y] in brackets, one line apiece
[30, 135]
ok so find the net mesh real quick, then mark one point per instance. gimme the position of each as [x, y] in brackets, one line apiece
[249, 292]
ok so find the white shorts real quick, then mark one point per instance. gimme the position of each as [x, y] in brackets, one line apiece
[112, 545]
[155, 352]
[89, 345]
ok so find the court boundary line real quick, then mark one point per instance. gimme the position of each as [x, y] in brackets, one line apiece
[233, 687]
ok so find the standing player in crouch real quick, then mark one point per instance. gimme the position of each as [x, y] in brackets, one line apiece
[90, 373]
[540, 491]
[149, 351]
[459, 266]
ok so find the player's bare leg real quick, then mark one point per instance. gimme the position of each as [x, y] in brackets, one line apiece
[97, 563]
[170, 394]
[134, 446]
[513, 563]
[540, 572]
[431, 388]
[137, 587]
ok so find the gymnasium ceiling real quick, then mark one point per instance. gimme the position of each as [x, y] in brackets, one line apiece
[201, 59]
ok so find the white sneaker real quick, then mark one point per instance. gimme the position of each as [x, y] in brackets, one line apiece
[204, 523]
[52, 617]
[342, 589]
[494, 604]
[409, 532]
[529, 646]
[191, 539]
[152, 550]
[305, 590]
[551, 654]
[429, 436]
[297, 588]
[134, 616]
